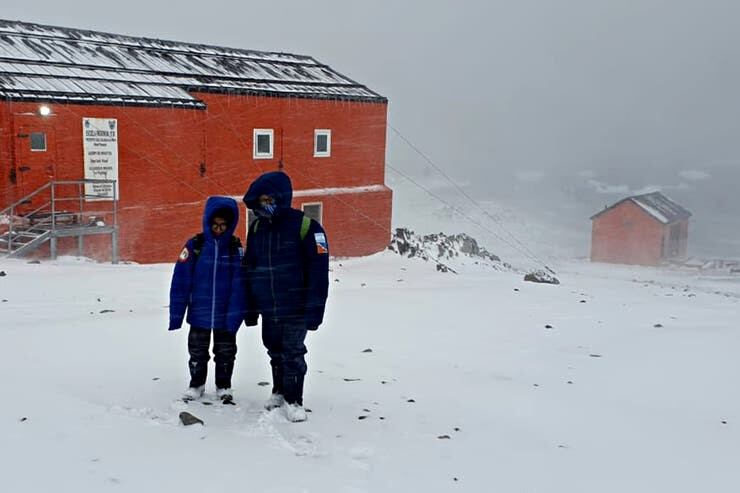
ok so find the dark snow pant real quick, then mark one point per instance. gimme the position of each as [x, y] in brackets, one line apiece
[224, 353]
[286, 348]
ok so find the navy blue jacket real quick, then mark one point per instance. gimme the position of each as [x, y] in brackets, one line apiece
[287, 279]
[209, 285]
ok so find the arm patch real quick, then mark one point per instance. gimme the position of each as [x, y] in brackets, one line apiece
[322, 248]
[184, 255]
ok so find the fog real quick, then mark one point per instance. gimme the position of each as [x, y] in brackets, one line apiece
[561, 107]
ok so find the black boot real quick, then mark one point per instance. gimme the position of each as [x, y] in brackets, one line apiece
[277, 379]
[293, 389]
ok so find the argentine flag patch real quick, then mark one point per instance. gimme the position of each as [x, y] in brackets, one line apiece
[322, 248]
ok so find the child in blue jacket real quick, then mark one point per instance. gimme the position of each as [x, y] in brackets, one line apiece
[207, 284]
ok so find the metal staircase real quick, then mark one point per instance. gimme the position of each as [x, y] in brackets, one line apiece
[59, 209]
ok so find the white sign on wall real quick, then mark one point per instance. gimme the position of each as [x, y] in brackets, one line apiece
[100, 146]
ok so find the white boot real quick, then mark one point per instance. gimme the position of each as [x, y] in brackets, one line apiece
[295, 413]
[193, 393]
[225, 395]
[275, 400]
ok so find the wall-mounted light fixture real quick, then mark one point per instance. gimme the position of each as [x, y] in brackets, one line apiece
[44, 110]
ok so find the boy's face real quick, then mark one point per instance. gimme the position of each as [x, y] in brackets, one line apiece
[267, 206]
[218, 225]
[266, 200]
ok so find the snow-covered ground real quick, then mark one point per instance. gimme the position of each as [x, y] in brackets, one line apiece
[633, 388]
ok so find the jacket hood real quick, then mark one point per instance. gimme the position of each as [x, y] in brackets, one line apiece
[228, 208]
[276, 184]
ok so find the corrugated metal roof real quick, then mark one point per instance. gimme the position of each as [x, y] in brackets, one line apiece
[37, 59]
[657, 205]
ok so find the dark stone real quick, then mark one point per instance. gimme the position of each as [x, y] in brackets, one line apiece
[206, 403]
[595, 355]
[456, 428]
[24, 419]
[36, 262]
[411, 400]
[368, 350]
[361, 417]
[2, 273]
[444, 437]
[155, 378]
[107, 311]
[548, 326]
[188, 419]
[263, 384]
[658, 326]
[541, 277]
[351, 379]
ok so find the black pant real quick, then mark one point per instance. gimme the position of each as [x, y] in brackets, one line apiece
[286, 348]
[224, 353]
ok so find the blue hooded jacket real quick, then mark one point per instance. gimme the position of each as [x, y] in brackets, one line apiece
[208, 285]
[287, 278]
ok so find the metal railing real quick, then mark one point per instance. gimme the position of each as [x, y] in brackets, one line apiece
[52, 217]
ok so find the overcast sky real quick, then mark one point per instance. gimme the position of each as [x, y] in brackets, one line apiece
[620, 93]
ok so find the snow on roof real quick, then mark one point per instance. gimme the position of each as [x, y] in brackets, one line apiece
[59, 63]
[657, 205]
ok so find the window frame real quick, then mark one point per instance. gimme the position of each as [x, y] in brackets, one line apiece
[30, 142]
[316, 133]
[259, 132]
[321, 210]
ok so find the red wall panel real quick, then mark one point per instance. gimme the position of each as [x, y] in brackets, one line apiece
[171, 160]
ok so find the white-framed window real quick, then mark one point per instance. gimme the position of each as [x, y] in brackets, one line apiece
[264, 142]
[38, 141]
[322, 142]
[313, 210]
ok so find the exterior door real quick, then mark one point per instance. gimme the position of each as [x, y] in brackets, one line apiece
[35, 163]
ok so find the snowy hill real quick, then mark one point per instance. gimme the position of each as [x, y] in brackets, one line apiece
[620, 379]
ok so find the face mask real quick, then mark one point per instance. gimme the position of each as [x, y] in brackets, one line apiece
[267, 210]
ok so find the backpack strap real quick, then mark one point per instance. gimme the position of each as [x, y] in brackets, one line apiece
[235, 247]
[305, 226]
[198, 241]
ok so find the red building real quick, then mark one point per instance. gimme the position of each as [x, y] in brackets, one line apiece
[644, 229]
[173, 123]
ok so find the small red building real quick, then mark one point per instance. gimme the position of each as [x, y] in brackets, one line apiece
[173, 123]
[644, 229]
